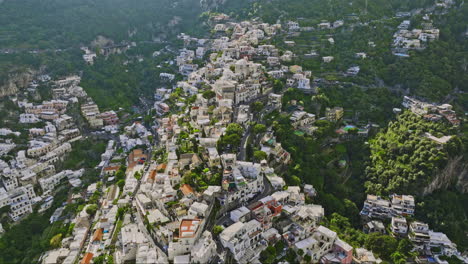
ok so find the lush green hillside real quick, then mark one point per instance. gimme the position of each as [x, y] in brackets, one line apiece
[446, 211]
[437, 73]
[112, 84]
[43, 24]
[403, 160]
[311, 12]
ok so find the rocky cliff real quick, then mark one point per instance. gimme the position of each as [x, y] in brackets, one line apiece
[454, 174]
[16, 81]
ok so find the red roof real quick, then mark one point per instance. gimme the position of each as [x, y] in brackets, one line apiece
[152, 175]
[98, 235]
[87, 258]
[186, 189]
[112, 168]
[161, 167]
[188, 228]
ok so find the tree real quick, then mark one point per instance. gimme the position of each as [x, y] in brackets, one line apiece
[280, 246]
[278, 86]
[121, 184]
[398, 258]
[259, 155]
[233, 140]
[249, 151]
[295, 181]
[382, 245]
[291, 256]
[217, 229]
[259, 128]
[405, 246]
[256, 107]
[148, 119]
[234, 128]
[268, 255]
[110, 259]
[121, 212]
[120, 175]
[56, 241]
[352, 212]
[91, 209]
[99, 259]
[319, 100]
[137, 175]
[209, 94]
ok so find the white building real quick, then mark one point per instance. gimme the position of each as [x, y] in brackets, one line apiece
[198, 210]
[242, 238]
[204, 249]
[20, 202]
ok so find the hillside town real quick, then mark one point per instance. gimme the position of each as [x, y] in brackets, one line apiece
[198, 185]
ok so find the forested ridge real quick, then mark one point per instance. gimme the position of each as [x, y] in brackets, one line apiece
[403, 159]
[70, 23]
[398, 159]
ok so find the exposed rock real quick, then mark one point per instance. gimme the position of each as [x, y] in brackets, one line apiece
[455, 173]
[16, 81]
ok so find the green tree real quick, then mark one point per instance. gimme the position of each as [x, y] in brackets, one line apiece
[91, 209]
[209, 94]
[268, 255]
[295, 181]
[56, 241]
[382, 245]
[259, 155]
[256, 107]
[234, 129]
[121, 184]
[99, 259]
[110, 259]
[259, 128]
[278, 86]
[217, 229]
[137, 175]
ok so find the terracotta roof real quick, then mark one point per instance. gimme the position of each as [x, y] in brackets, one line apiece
[112, 168]
[137, 152]
[188, 228]
[98, 235]
[152, 175]
[186, 189]
[161, 167]
[87, 258]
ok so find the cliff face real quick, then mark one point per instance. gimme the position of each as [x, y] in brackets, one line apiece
[455, 173]
[15, 82]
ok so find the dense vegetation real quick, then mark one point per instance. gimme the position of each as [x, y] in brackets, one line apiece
[31, 40]
[403, 159]
[400, 159]
[437, 73]
[85, 153]
[312, 12]
[315, 161]
[25, 241]
[112, 84]
[446, 211]
[71, 23]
